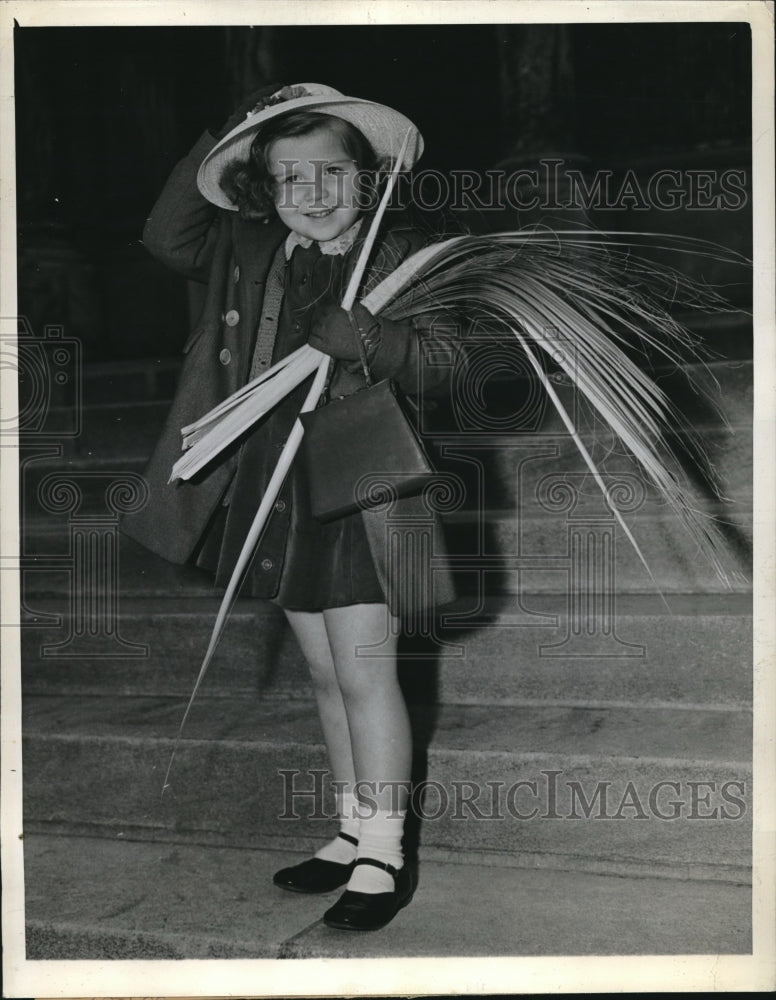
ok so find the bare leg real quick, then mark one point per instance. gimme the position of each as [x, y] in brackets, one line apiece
[380, 734]
[310, 631]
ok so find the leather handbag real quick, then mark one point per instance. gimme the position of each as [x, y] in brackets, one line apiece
[362, 449]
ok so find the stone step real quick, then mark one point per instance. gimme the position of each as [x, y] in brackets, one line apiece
[499, 551]
[130, 382]
[524, 547]
[728, 336]
[716, 395]
[120, 425]
[92, 899]
[118, 429]
[591, 777]
[521, 471]
[507, 650]
[540, 474]
[540, 545]
[542, 493]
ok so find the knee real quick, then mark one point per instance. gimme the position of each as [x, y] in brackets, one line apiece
[323, 677]
[360, 683]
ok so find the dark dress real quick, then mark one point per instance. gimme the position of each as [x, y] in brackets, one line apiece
[325, 565]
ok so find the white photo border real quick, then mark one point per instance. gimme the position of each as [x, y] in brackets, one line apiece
[410, 976]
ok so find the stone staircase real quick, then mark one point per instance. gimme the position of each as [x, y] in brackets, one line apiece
[581, 740]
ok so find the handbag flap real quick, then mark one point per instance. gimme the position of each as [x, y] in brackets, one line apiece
[352, 445]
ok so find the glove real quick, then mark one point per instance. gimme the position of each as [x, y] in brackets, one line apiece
[332, 332]
[240, 113]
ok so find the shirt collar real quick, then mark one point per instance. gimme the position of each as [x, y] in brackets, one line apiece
[339, 245]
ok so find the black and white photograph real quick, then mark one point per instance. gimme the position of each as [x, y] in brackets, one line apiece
[387, 498]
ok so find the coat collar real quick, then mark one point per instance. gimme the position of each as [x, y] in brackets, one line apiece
[338, 246]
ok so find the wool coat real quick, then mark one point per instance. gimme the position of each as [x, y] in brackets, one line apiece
[234, 258]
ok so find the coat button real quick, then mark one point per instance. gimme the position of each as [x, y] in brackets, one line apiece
[267, 564]
[232, 317]
[236, 273]
[225, 356]
[280, 505]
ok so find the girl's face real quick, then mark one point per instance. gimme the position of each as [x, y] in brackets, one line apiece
[315, 184]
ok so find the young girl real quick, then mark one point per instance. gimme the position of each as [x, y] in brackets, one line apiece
[287, 194]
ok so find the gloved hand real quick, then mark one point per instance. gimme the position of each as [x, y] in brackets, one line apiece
[240, 113]
[332, 332]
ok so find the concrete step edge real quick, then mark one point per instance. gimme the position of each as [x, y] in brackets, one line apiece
[280, 694]
[178, 606]
[660, 515]
[140, 453]
[634, 603]
[97, 370]
[162, 405]
[42, 525]
[486, 858]
[150, 944]
[168, 743]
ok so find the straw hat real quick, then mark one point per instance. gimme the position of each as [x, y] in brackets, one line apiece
[383, 127]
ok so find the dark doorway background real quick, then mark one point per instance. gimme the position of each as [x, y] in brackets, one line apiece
[104, 113]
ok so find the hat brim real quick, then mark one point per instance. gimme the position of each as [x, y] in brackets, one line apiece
[384, 128]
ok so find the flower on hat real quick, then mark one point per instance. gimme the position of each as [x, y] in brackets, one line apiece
[279, 97]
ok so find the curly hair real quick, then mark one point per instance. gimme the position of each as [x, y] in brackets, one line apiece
[251, 187]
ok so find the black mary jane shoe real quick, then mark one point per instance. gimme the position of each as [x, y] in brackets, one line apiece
[316, 875]
[369, 911]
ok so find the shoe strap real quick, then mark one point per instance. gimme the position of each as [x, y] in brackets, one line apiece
[350, 840]
[378, 864]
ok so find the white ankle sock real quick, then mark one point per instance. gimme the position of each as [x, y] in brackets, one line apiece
[340, 850]
[379, 838]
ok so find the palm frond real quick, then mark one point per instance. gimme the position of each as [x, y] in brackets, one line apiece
[582, 297]
[223, 425]
[587, 301]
